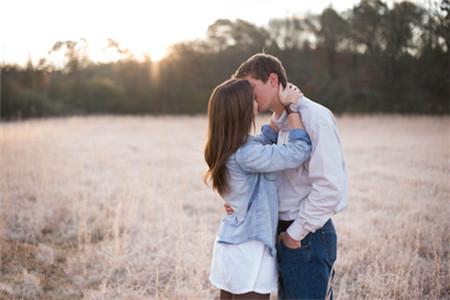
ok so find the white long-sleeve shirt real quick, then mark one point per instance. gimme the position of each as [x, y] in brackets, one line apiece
[313, 192]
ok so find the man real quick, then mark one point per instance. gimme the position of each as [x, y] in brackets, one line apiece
[308, 195]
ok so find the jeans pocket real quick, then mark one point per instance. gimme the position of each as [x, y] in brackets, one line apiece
[283, 245]
[290, 253]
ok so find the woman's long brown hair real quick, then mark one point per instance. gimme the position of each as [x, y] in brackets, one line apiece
[230, 119]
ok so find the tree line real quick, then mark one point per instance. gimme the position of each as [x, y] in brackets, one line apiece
[372, 58]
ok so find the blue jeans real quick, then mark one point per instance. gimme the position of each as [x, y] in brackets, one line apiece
[304, 273]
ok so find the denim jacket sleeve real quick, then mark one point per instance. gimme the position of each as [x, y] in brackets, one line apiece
[257, 158]
[267, 135]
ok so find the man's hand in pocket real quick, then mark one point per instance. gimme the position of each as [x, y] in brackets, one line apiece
[288, 241]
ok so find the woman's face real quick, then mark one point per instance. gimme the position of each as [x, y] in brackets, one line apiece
[264, 93]
[255, 107]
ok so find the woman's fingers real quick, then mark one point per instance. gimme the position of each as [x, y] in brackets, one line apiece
[290, 94]
[295, 88]
[228, 209]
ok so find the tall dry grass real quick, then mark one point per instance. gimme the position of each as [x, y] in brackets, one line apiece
[115, 208]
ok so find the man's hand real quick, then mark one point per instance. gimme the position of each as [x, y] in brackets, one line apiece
[289, 95]
[288, 241]
[272, 123]
[228, 209]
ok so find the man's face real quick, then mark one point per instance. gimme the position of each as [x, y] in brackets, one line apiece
[264, 93]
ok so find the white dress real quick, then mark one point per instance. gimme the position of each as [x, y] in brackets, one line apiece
[243, 268]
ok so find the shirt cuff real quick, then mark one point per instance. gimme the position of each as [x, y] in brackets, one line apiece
[299, 134]
[297, 231]
[269, 133]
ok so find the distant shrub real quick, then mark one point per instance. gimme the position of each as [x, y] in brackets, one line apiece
[30, 103]
[101, 95]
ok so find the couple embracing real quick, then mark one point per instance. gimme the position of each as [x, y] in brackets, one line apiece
[280, 187]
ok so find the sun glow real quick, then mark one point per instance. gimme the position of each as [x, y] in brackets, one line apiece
[144, 28]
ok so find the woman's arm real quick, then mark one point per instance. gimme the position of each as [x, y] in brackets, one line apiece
[257, 158]
[268, 135]
[294, 120]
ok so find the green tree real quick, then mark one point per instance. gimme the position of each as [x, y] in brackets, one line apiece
[286, 33]
[332, 32]
[241, 34]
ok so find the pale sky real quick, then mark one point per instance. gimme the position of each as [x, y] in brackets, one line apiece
[31, 27]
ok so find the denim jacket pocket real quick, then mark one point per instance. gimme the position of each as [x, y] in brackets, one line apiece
[233, 219]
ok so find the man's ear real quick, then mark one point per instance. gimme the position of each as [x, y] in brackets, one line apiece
[273, 79]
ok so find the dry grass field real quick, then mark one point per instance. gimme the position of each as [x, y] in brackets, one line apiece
[115, 208]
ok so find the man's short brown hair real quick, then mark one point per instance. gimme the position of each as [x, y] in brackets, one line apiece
[259, 66]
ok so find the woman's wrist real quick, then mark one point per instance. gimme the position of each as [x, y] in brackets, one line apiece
[295, 121]
[290, 108]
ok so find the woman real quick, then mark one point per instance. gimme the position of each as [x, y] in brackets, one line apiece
[242, 170]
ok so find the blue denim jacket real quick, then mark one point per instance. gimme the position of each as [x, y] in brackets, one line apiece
[253, 195]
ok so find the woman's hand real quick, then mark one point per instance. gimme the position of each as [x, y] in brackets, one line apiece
[272, 124]
[289, 95]
[228, 209]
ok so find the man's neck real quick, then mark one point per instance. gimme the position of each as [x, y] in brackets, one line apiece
[278, 109]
